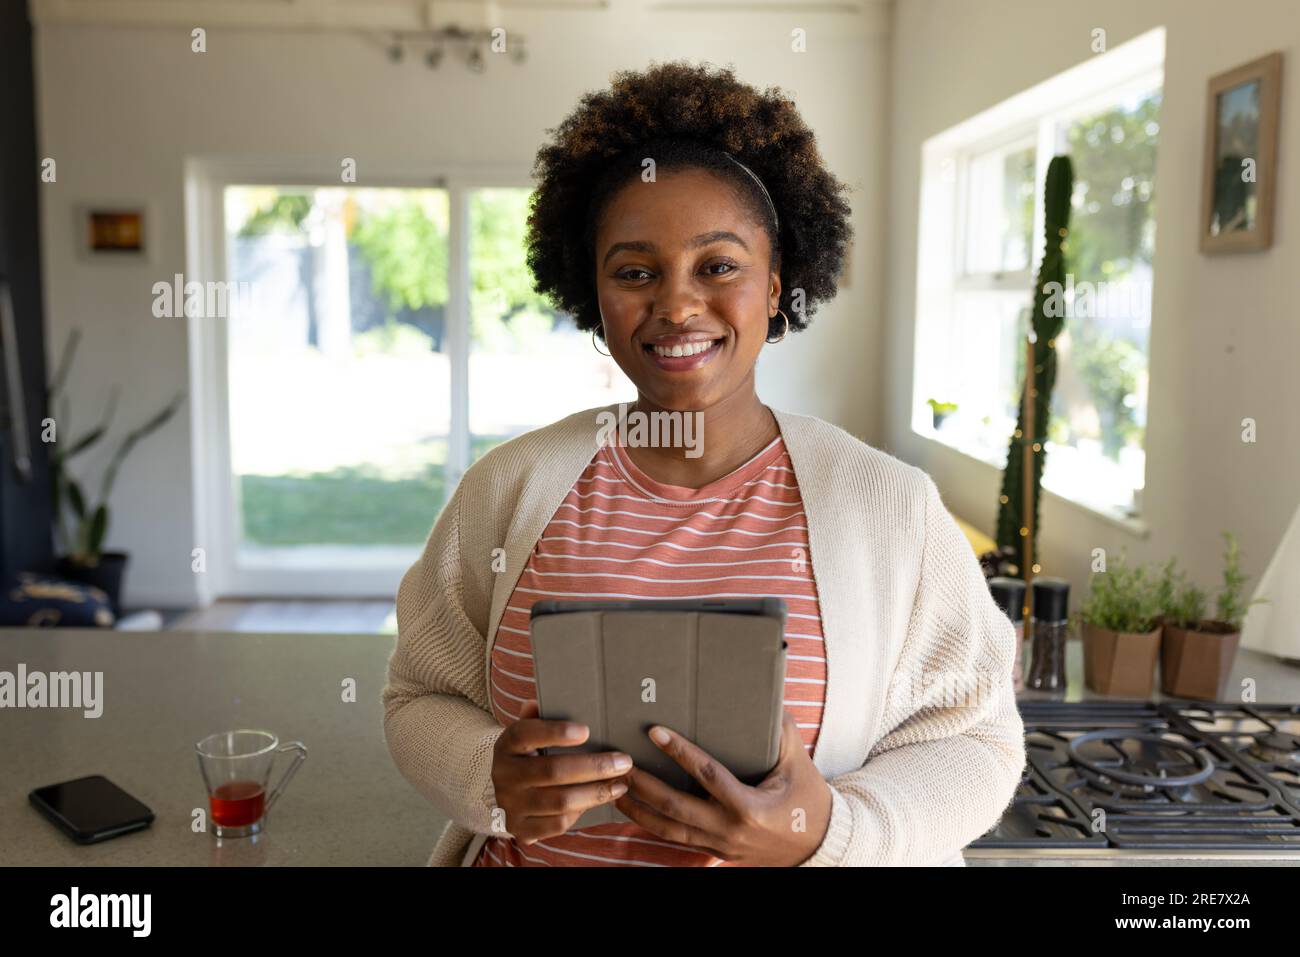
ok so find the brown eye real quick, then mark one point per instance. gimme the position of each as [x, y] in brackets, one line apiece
[725, 264]
[632, 274]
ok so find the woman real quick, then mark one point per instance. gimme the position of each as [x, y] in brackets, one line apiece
[688, 220]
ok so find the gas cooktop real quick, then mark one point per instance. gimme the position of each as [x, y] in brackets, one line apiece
[1172, 775]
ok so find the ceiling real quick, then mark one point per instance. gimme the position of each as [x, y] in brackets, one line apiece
[385, 14]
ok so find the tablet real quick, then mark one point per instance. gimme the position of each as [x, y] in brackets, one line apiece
[712, 670]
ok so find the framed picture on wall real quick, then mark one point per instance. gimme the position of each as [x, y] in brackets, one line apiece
[113, 231]
[1240, 172]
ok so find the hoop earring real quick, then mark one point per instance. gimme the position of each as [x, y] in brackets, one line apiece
[593, 343]
[783, 331]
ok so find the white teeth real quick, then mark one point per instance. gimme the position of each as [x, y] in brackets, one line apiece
[680, 349]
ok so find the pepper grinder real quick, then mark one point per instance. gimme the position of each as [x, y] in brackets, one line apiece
[1050, 624]
[1009, 593]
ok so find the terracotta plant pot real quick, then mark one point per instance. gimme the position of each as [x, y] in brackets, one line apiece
[1196, 663]
[1120, 663]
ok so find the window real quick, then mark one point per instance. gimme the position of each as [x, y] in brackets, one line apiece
[980, 242]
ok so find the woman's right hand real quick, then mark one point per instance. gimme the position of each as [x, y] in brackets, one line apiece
[544, 794]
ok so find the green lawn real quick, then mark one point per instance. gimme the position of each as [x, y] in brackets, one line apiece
[351, 505]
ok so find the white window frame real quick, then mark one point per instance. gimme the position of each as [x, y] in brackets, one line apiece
[1037, 113]
[215, 505]
[965, 278]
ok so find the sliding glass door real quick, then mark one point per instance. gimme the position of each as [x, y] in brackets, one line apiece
[383, 339]
[528, 364]
[339, 377]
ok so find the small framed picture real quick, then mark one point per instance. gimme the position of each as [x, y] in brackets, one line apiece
[112, 231]
[1240, 173]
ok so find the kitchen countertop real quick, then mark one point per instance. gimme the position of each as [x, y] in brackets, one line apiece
[1275, 682]
[348, 804]
[163, 691]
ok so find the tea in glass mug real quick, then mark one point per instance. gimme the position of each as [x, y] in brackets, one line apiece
[236, 767]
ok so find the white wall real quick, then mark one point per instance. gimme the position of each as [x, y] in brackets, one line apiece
[121, 108]
[1225, 338]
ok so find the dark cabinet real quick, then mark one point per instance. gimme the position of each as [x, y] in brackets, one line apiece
[25, 511]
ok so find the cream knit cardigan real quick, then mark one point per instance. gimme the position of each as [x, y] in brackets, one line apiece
[917, 764]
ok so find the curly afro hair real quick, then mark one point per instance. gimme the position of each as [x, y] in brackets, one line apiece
[686, 116]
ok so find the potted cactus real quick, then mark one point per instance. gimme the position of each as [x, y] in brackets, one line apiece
[84, 558]
[940, 411]
[1197, 652]
[1121, 631]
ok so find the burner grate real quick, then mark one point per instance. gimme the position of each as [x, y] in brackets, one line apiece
[1041, 815]
[1263, 737]
[1174, 776]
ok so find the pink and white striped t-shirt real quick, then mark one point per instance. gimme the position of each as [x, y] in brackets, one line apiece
[620, 534]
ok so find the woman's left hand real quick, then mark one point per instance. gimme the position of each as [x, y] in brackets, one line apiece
[779, 823]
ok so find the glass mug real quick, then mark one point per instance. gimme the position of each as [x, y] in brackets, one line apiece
[236, 766]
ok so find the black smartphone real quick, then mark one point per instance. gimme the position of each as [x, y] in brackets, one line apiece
[91, 809]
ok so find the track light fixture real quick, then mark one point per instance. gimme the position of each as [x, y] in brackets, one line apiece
[475, 47]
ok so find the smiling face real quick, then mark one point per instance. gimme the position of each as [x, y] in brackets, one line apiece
[685, 283]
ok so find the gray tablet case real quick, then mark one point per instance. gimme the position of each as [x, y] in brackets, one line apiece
[710, 669]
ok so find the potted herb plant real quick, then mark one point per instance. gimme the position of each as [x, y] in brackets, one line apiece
[1197, 653]
[1167, 589]
[940, 411]
[1121, 631]
[84, 558]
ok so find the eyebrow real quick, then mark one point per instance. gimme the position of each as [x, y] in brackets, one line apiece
[703, 239]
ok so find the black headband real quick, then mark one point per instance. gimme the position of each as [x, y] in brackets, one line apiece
[776, 221]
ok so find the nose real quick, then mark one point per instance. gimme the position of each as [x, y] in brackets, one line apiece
[678, 300]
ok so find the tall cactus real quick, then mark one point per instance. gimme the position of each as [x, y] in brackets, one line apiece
[1046, 323]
